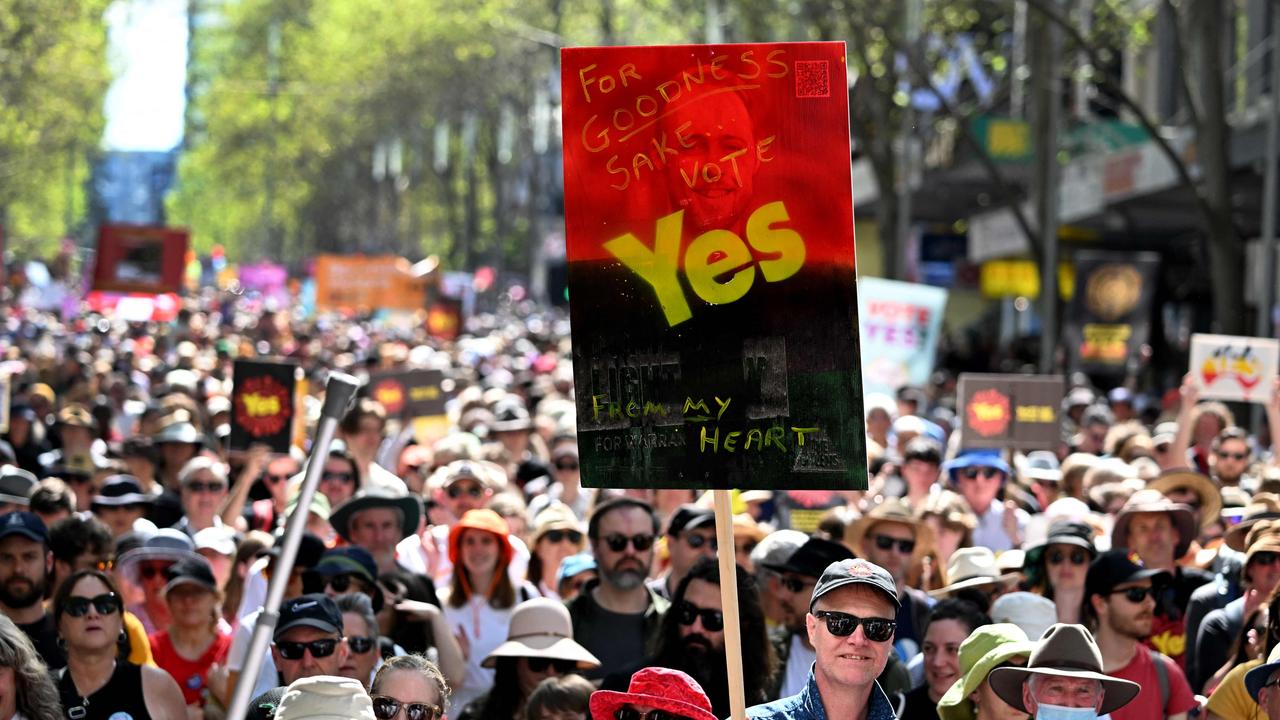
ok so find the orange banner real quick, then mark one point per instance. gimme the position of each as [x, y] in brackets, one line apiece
[360, 282]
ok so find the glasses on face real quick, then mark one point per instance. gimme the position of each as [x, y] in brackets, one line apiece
[618, 543]
[843, 624]
[361, 645]
[626, 712]
[687, 613]
[697, 541]
[556, 536]
[203, 487]
[105, 604]
[1077, 557]
[795, 584]
[343, 583]
[885, 542]
[385, 708]
[1136, 594]
[149, 572]
[322, 648]
[456, 491]
[274, 479]
[1264, 558]
[987, 473]
[1231, 455]
[567, 465]
[540, 665]
[342, 477]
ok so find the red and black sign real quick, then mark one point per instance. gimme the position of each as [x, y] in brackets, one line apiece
[1010, 411]
[262, 404]
[444, 318]
[1109, 318]
[140, 259]
[712, 277]
[409, 394]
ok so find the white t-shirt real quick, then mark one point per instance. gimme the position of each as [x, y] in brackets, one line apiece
[485, 628]
[268, 677]
[796, 674]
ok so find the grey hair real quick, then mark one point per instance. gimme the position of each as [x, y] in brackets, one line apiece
[202, 463]
[37, 697]
[360, 604]
[413, 663]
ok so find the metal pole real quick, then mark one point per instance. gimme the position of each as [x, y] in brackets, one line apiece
[906, 154]
[1266, 294]
[1048, 112]
[338, 393]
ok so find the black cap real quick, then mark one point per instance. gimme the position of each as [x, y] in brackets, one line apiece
[314, 610]
[690, 517]
[264, 706]
[194, 570]
[351, 560]
[855, 571]
[812, 558]
[121, 491]
[1117, 567]
[310, 550]
[28, 525]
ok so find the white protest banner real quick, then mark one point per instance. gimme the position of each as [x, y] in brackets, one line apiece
[1228, 367]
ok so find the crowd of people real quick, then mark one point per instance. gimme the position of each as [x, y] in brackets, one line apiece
[1130, 570]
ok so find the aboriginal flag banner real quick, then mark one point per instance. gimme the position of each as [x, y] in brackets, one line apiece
[263, 404]
[712, 279]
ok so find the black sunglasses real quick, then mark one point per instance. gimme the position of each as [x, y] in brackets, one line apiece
[1264, 558]
[387, 707]
[1233, 456]
[1136, 594]
[556, 536]
[884, 542]
[697, 541]
[339, 476]
[626, 712]
[456, 492]
[149, 572]
[361, 645]
[618, 543]
[105, 604]
[971, 473]
[199, 487]
[795, 584]
[319, 648]
[843, 624]
[687, 613]
[1077, 557]
[342, 583]
[540, 664]
[567, 466]
[270, 479]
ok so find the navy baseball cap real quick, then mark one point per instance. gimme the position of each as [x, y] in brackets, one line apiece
[690, 517]
[28, 525]
[314, 610]
[855, 571]
[351, 560]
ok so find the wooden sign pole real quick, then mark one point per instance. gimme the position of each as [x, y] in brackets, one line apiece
[729, 600]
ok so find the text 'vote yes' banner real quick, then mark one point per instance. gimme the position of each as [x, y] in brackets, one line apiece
[709, 224]
[900, 326]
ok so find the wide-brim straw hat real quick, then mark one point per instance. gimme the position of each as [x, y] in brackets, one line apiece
[1154, 501]
[542, 628]
[1199, 483]
[972, 567]
[377, 497]
[1264, 506]
[1065, 651]
[891, 510]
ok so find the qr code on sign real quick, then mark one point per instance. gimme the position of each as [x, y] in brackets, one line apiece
[813, 79]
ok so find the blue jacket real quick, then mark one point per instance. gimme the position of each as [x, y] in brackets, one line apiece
[808, 705]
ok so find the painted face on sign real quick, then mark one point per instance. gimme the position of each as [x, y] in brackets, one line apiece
[711, 174]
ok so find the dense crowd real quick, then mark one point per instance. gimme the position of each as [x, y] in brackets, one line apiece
[471, 573]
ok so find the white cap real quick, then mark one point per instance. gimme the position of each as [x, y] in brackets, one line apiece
[1033, 613]
[218, 539]
[325, 697]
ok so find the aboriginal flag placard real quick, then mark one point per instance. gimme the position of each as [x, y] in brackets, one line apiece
[1010, 411]
[141, 259]
[712, 279]
[263, 404]
[409, 393]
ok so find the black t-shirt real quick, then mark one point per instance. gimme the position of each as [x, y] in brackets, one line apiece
[919, 706]
[44, 635]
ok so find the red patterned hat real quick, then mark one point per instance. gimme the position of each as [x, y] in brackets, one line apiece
[656, 687]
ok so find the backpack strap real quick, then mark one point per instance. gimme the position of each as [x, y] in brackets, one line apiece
[1162, 674]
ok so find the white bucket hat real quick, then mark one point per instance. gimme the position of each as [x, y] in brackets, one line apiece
[325, 697]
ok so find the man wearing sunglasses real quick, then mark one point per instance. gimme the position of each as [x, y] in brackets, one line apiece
[1120, 604]
[309, 639]
[617, 617]
[691, 534]
[887, 536]
[1231, 457]
[850, 625]
[979, 476]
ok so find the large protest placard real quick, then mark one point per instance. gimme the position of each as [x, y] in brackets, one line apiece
[140, 259]
[419, 397]
[900, 323]
[263, 404]
[1109, 318]
[712, 279]
[359, 282]
[1010, 411]
[1228, 367]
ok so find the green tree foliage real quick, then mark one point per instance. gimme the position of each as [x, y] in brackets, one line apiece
[53, 79]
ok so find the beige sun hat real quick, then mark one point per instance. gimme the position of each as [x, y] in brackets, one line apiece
[541, 628]
[324, 697]
[972, 567]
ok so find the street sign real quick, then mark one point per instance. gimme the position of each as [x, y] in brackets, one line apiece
[1227, 367]
[712, 278]
[1010, 411]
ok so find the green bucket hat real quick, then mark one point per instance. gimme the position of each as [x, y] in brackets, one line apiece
[987, 647]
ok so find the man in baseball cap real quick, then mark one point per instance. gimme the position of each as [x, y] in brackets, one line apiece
[308, 641]
[850, 625]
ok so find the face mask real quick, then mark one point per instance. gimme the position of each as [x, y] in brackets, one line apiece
[1058, 712]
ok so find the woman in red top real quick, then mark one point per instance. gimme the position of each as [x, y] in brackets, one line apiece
[195, 639]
